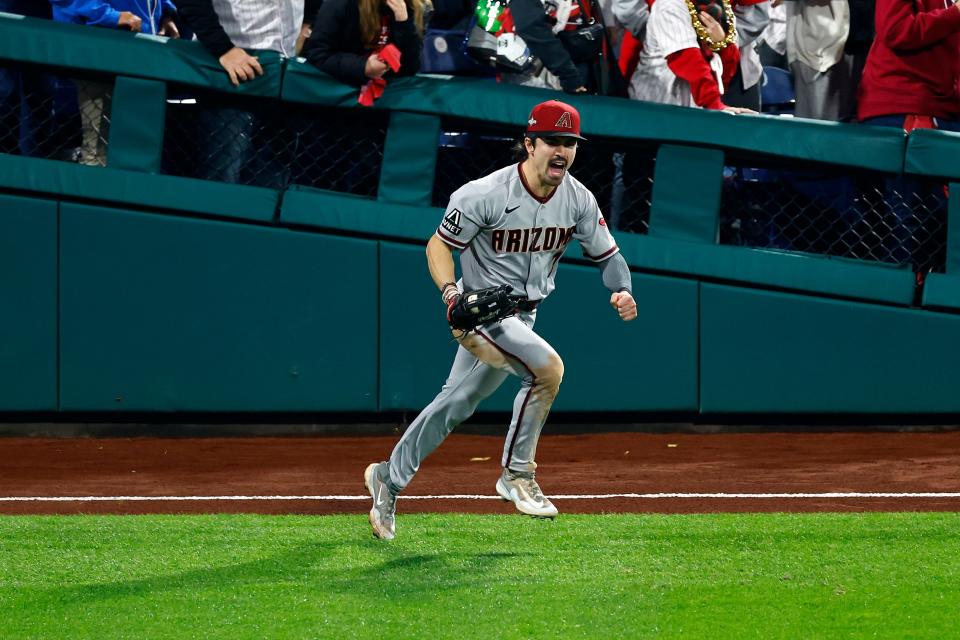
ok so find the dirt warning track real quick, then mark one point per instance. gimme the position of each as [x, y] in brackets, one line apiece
[610, 472]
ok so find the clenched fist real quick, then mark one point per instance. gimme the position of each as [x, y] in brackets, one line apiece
[625, 305]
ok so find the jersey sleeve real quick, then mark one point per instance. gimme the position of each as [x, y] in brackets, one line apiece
[592, 233]
[463, 219]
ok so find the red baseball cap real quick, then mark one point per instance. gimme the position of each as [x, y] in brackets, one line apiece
[554, 118]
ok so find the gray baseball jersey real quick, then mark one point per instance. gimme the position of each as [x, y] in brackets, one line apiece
[510, 236]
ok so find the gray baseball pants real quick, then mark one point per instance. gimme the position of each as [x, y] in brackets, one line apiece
[484, 360]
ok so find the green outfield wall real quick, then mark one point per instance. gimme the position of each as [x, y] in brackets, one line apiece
[125, 290]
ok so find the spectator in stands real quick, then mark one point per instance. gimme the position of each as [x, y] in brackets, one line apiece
[823, 74]
[94, 97]
[350, 36]
[229, 140]
[911, 82]
[688, 60]
[226, 28]
[752, 17]
[632, 16]
[538, 24]
[773, 40]
[913, 67]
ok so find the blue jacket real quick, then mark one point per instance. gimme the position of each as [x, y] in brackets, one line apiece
[106, 13]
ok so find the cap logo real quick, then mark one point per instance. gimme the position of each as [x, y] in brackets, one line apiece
[531, 121]
[564, 121]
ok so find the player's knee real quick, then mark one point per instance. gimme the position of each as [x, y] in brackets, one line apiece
[551, 375]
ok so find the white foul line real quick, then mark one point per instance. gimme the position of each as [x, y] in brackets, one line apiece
[602, 496]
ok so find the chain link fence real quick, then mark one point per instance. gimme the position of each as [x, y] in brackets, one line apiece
[619, 175]
[54, 117]
[266, 143]
[835, 211]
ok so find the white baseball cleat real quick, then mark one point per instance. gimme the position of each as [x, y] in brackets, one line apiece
[384, 503]
[523, 491]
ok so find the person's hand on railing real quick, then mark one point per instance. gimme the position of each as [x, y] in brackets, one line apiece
[375, 67]
[129, 22]
[240, 66]
[740, 110]
[168, 27]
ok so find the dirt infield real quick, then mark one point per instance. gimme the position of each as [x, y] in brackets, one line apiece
[597, 464]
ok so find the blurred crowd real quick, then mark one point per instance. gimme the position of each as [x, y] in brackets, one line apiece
[884, 62]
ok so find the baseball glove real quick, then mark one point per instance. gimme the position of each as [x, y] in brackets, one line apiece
[482, 306]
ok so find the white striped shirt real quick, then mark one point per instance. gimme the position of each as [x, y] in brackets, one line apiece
[262, 24]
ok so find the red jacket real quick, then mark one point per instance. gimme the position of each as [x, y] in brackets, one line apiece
[914, 63]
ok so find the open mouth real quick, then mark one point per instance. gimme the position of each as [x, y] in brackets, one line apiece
[556, 167]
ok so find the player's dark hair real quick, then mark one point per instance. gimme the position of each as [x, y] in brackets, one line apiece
[520, 149]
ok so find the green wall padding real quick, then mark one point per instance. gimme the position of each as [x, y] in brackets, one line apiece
[303, 206]
[137, 120]
[409, 159]
[942, 291]
[73, 46]
[168, 314]
[319, 209]
[135, 189]
[649, 364]
[877, 148]
[779, 353]
[304, 83]
[686, 194]
[28, 291]
[931, 152]
[840, 277]
[646, 365]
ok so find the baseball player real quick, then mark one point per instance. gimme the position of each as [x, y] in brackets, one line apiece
[511, 228]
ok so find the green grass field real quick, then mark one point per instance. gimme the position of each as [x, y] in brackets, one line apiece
[705, 576]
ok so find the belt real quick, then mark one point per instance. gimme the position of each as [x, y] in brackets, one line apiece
[528, 305]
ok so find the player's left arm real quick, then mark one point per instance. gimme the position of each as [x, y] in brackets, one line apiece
[598, 244]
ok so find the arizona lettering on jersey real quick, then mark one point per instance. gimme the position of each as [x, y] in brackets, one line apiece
[530, 240]
[508, 235]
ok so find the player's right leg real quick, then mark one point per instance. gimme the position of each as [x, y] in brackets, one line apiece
[541, 371]
[470, 381]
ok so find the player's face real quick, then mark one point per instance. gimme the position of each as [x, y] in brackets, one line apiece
[551, 157]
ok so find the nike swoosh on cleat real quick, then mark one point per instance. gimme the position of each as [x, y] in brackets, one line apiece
[509, 210]
[379, 498]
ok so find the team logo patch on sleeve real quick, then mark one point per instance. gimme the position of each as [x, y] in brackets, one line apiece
[451, 222]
